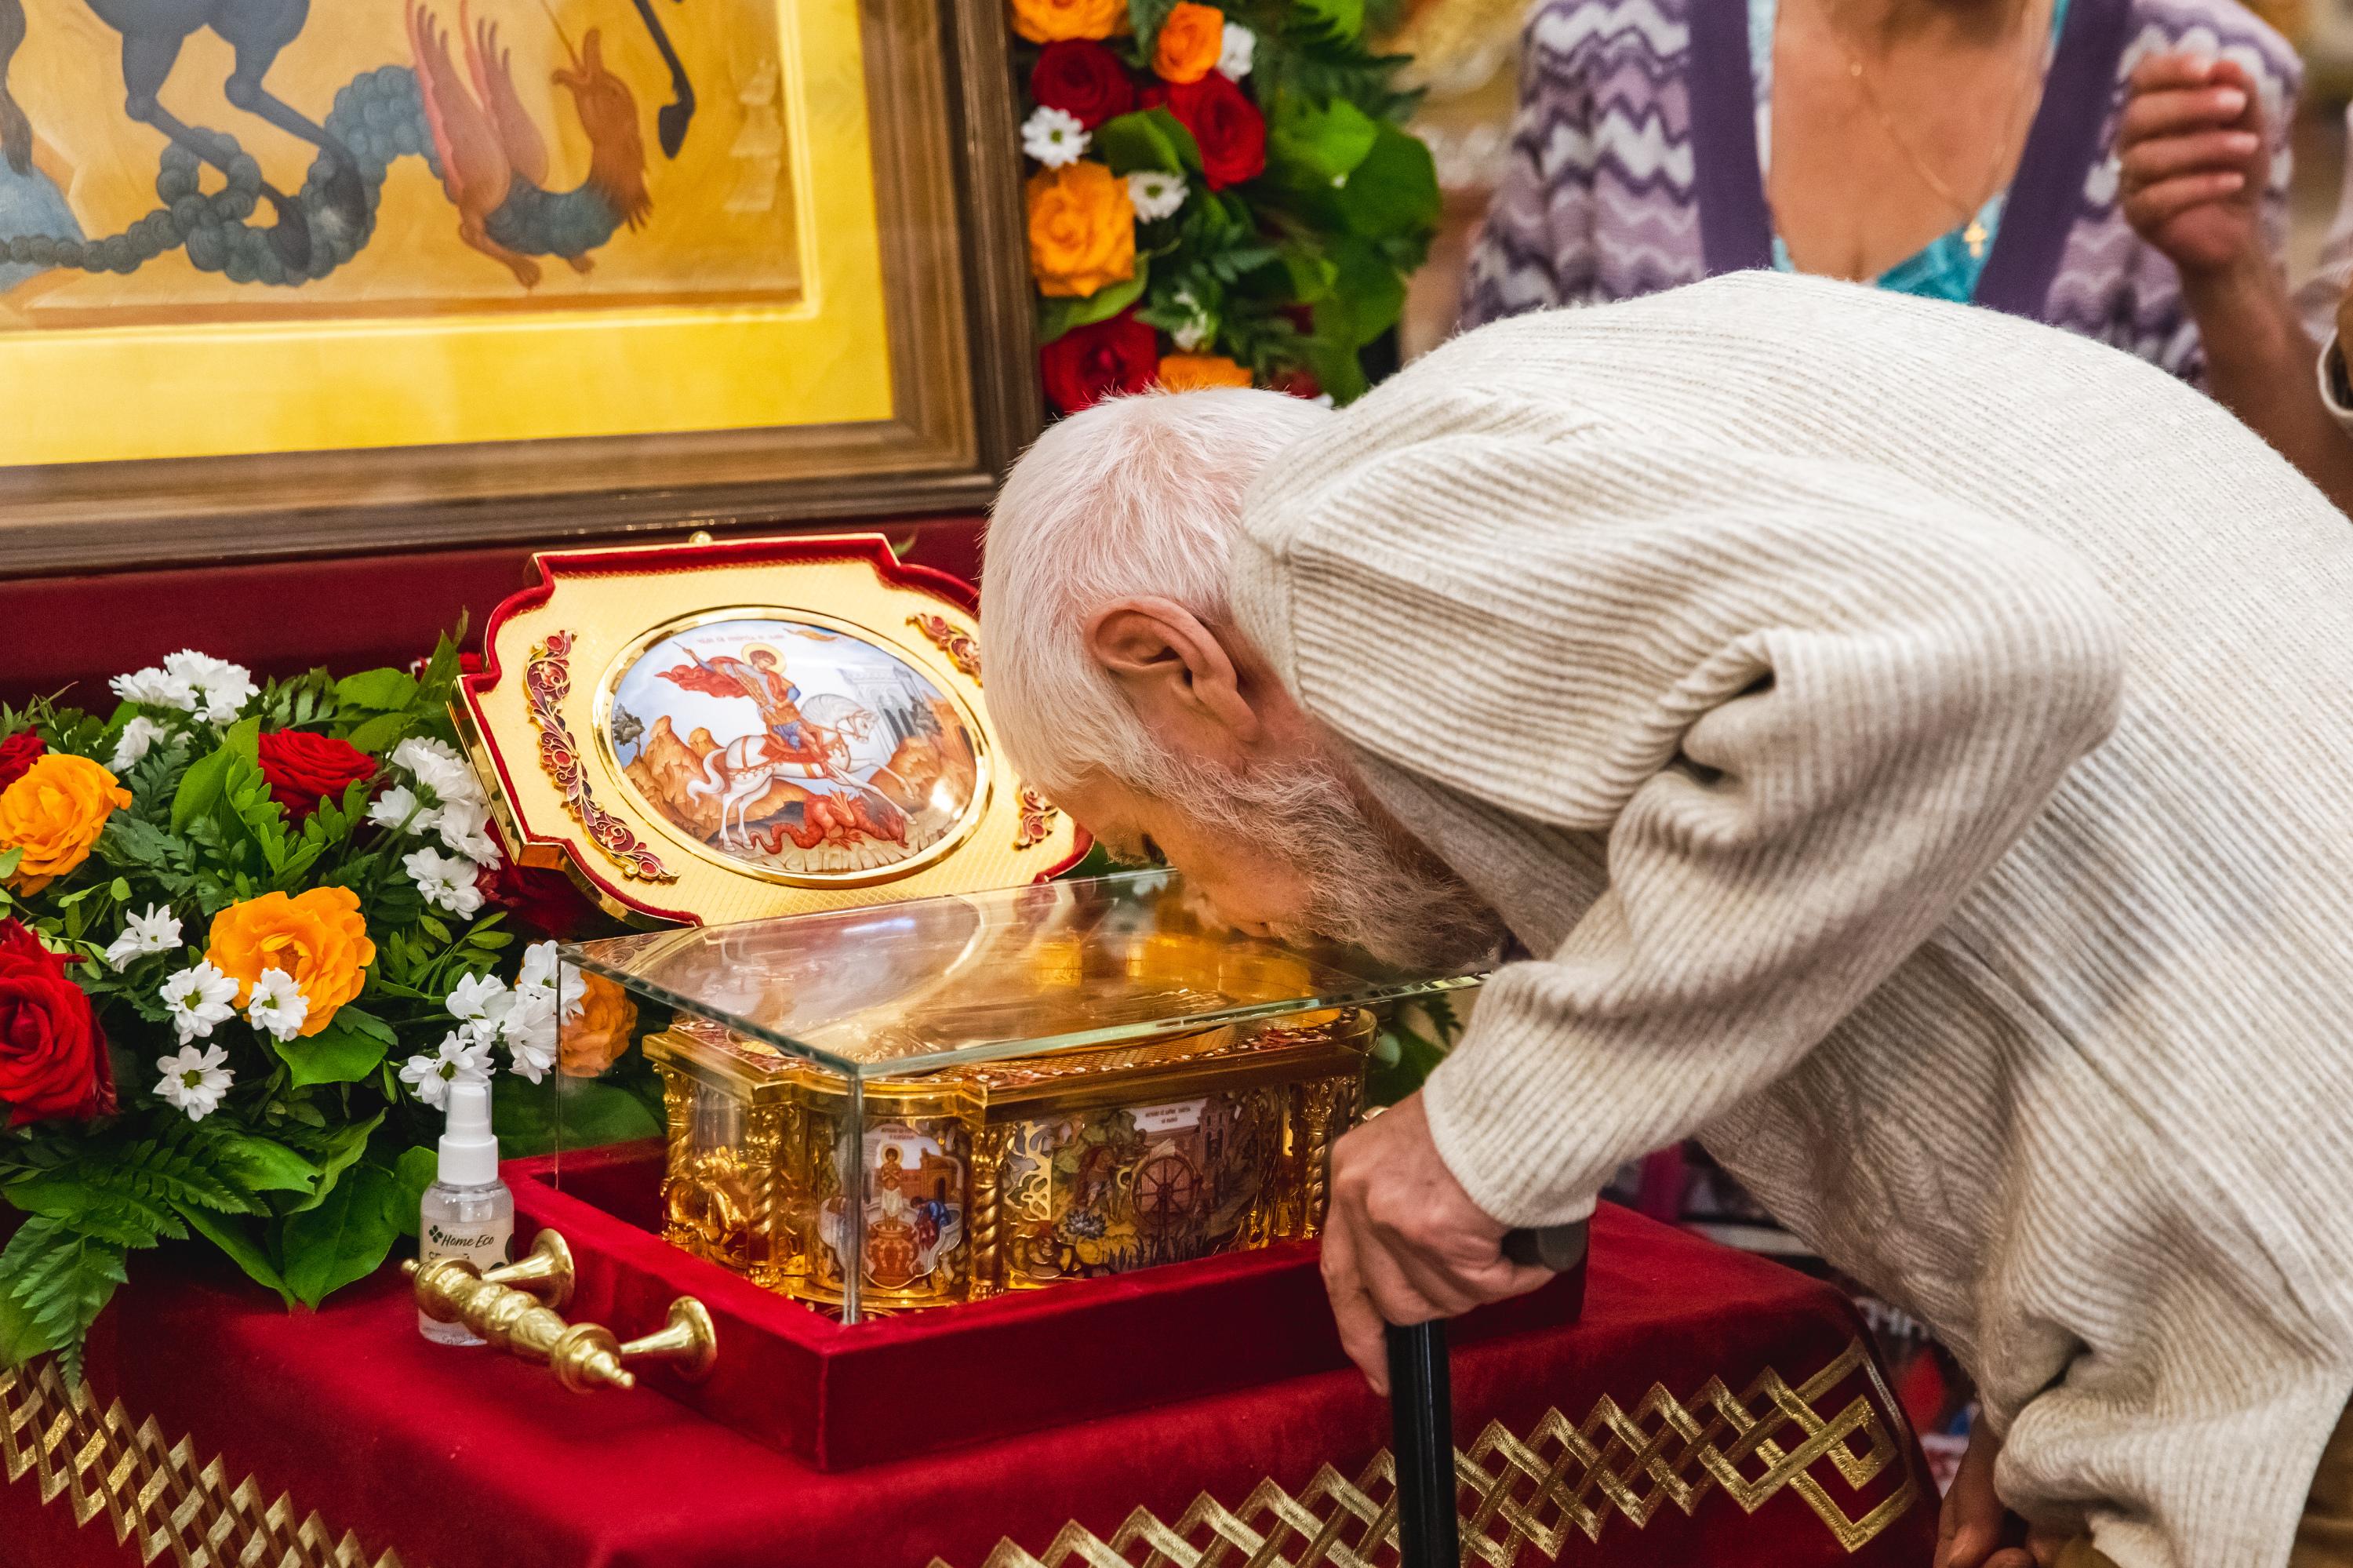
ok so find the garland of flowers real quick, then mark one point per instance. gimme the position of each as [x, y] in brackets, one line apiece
[1222, 197]
[250, 935]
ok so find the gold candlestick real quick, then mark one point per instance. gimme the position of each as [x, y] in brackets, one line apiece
[689, 1343]
[545, 1271]
[583, 1355]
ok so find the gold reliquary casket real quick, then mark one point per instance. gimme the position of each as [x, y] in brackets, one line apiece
[914, 1105]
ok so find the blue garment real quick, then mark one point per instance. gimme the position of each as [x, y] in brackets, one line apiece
[1941, 270]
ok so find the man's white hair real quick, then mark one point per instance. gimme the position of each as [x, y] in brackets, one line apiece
[1138, 496]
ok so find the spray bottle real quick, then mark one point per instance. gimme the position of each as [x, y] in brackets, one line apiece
[467, 1212]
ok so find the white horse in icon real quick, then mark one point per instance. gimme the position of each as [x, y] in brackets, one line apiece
[740, 772]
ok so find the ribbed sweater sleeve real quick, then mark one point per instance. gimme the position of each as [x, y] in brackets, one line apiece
[1805, 705]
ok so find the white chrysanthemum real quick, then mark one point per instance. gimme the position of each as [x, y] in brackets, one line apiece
[222, 689]
[528, 1029]
[439, 769]
[154, 688]
[277, 1007]
[199, 999]
[539, 967]
[399, 810]
[1193, 334]
[156, 931]
[481, 998]
[195, 1080]
[1155, 193]
[464, 826]
[1054, 136]
[138, 738]
[1237, 50]
[459, 1055]
[445, 881]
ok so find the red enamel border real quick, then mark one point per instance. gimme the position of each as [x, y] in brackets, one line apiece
[873, 549]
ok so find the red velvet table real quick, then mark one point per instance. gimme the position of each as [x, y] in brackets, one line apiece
[1711, 1408]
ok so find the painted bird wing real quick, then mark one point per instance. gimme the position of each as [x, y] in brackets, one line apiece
[474, 168]
[492, 67]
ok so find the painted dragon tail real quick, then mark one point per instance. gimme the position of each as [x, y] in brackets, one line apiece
[16, 131]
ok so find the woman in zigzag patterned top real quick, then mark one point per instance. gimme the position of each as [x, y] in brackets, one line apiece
[1957, 149]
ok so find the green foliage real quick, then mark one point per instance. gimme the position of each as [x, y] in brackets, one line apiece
[306, 1170]
[1411, 1044]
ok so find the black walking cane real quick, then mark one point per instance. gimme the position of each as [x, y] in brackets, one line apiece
[1422, 1413]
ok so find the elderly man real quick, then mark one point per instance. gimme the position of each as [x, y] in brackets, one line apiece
[1916, 749]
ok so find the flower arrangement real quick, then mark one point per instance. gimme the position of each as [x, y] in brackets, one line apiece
[1221, 196]
[249, 934]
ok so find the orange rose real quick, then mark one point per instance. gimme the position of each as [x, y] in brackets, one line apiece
[1046, 21]
[53, 812]
[317, 938]
[1191, 41]
[1081, 229]
[1194, 372]
[594, 1038]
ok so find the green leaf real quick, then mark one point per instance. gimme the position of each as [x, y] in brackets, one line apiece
[1312, 145]
[1146, 139]
[339, 1054]
[237, 1246]
[345, 1238]
[259, 1164]
[416, 1170]
[8, 859]
[335, 1152]
[378, 735]
[61, 1279]
[1342, 18]
[378, 691]
[1056, 317]
[1366, 298]
[367, 1024]
[200, 787]
[20, 1339]
[1394, 192]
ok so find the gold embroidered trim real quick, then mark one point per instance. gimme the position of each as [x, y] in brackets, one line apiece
[1561, 1480]
[159, 1499]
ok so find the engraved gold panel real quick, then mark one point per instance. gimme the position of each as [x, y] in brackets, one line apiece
[1527, 1497]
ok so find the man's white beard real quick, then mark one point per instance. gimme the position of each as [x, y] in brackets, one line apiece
[1361, 889]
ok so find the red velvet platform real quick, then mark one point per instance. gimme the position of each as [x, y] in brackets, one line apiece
[463, 1459]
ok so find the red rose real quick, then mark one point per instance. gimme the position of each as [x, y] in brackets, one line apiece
[301, 767]
[52, 1058]
[538, 897]
[1088, 364]
[1084, 79]
[1227, 126]
[16, 754]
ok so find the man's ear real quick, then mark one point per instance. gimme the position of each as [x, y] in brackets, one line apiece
[1176, 672]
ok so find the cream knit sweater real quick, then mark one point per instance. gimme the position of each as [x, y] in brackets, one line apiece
[1921, 744]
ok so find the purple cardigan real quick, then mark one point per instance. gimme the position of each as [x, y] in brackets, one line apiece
[1634, 166]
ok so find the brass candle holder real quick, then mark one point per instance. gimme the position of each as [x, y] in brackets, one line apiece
[513, 1307]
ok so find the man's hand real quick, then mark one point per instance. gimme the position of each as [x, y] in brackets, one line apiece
[1404, 1242]
[1975, 1530]
[2195, 161]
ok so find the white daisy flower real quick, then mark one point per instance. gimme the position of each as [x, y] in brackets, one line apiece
[138, 738]
[195, 1080]
[1239, 49]
[446, 881]
[1054, 136]
[459, 1055]
[221, 688]
[439, 768]
[1194, 332]
[481, 998]
[151, 687]
[1154, 194]
[398, 808]
[156, 931]
[539, 967]
[464, 827]
[530, 1031]
[199, 999]
[277, 1007]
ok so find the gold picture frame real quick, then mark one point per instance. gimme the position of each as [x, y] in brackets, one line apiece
[889, 373]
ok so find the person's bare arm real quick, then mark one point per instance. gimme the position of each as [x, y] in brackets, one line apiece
[2196, 156]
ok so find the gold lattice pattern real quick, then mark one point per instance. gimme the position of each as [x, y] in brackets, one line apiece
[1560, 1479]
[160, 1500]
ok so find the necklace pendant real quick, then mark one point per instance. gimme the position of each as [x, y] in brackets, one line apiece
[1974, 236]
